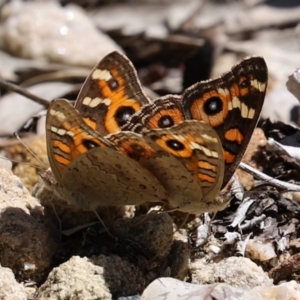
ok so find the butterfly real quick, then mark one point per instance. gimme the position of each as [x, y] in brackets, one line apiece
[118, 147]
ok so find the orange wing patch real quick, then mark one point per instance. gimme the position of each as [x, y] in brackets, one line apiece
[234, 135]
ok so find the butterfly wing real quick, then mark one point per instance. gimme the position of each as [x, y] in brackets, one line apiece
[187, 159]
[163, 112]
[110, 94]
[68, 136]
[231, 104]
[107, 177]
[89, 171]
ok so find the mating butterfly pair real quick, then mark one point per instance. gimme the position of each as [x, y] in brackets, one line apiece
[117, 147]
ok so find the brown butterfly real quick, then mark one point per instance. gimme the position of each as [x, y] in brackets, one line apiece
[117, 148]
[231, 104]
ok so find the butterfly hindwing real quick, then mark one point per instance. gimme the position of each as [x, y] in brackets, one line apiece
[186, 158]
[162, 113]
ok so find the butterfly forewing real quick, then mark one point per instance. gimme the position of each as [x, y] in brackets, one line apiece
[110, 94]
[231, 104]
[68, 136]
[89, 170]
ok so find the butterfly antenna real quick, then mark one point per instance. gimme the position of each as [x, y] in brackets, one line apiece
[58, 220]
[182, 223]
[101, 221]
[31, 152]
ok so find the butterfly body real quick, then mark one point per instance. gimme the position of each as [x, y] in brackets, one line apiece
[116, 147]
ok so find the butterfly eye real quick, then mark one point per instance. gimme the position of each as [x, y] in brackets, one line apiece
[88, 144]
[165, 121]
[213, 106]
[113, 84]
[175, 145]
[123, 114]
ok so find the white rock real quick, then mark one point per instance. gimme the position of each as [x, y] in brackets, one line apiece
[9, 287]
[49, 32]
[173, 289]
